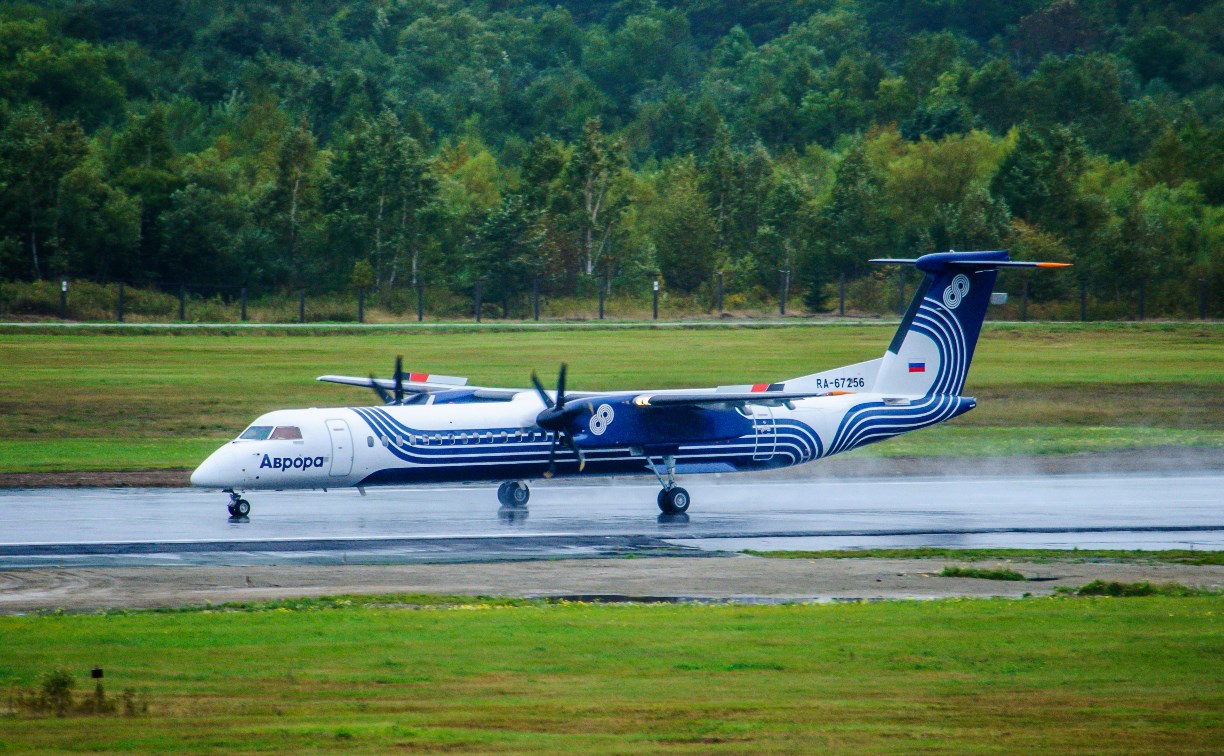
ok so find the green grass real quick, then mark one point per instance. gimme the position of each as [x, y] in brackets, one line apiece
[168, 396]
[982, 573]
[1056, 675]
[1171, 556]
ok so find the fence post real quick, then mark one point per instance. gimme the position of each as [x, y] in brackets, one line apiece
[1083, 301]
[120, 304]
[1202, 299]
[720, 292]
[302, 306]
[603, 292]
[182, 303]
[841, 294]
[360, 304]
[1024, 301]
[64, 299]
[535, 297]
[785, 284]
[420, 302]
[656, 299]
[479, 298]
[1142, 298]
[244, 304]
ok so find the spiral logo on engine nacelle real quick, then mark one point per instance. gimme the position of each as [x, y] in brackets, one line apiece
[956, 291]
[601, 419]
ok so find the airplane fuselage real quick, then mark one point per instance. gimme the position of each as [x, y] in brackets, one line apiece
[494, 441]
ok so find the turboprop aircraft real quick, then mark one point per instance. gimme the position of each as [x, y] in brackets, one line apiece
[434, 428]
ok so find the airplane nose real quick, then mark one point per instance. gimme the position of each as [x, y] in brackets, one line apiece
[209, 474]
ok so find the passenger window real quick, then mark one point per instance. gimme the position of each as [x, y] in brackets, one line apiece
[257, 433]
[286, 433]
[386, 441]
[370, 441]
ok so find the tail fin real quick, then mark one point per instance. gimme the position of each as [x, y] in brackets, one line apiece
[932, 349]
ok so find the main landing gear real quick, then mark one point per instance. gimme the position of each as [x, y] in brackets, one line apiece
[513, 493]
[673, 499]
[238, 506]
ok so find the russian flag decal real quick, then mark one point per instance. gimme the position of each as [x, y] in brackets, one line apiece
[917, 367]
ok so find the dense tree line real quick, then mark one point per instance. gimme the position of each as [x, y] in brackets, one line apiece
[325, 144]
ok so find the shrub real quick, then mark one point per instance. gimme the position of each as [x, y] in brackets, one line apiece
[998, 573]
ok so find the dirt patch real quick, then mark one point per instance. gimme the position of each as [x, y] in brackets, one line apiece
[741, 578]
[179, 477]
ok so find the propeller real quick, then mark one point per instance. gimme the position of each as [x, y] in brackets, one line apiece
[386, 396]
[554, 418]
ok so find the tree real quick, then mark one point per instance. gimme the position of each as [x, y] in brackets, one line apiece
[507, 250]
[1037, 178]
[683, 230]
[854, 223]
[293, 203]
[597, 162]
[35, 154]
[380, 191]
[99, 225]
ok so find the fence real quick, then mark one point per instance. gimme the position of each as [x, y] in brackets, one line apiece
[644, 299]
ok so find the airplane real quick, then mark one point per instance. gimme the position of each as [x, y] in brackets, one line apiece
[436, 428]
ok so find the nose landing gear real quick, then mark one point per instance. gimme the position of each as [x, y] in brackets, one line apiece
[673, 499]
[238, 506]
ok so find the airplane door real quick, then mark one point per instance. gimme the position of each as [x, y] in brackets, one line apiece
[342, 448]
[766, 439]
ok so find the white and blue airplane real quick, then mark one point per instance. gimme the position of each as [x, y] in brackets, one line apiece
[433, 428]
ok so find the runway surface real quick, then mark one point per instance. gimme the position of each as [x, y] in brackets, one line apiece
[113, 527]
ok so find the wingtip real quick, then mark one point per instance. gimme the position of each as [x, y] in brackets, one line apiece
[1053, 265]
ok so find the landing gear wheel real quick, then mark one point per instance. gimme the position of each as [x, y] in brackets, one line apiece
[519, 494]
[513, 494]
[674, 500]
[503, 494]
[238, 506]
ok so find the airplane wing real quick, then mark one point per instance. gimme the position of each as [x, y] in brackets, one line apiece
[722, 399]
[424, 383]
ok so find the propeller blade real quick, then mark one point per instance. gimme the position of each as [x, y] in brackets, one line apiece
[569, 441]
[399, 379]
[561, 386]
[535, 381]
[382, 392]
[552, 458]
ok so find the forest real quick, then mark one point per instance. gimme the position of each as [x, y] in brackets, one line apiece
[285, 145]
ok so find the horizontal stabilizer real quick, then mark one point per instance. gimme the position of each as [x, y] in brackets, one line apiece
[940, 261]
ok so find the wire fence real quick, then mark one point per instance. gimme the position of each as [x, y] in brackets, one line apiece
[647, 299]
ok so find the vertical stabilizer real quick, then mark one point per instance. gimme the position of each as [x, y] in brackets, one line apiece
[933, 346]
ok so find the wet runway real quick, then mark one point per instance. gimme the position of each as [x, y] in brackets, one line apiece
[80, 527]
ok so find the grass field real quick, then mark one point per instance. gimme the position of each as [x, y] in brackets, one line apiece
[77, 400]
[1055, 675]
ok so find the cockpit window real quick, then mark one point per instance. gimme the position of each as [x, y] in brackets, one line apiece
[286, 433]
[257, 433]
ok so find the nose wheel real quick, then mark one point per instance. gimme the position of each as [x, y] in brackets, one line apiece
[238, 506]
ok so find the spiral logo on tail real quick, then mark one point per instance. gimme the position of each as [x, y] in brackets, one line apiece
[956, 291]
[601, 419]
